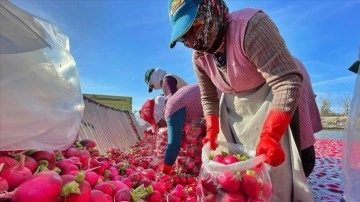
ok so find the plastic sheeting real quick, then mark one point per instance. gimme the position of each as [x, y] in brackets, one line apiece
[351, 149]
[109, 127]
[40, 97]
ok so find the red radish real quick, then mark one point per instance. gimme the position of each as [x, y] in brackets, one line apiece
[210, 198]
[158, 186]
[128, 182]
[4, 186]
[106, 188]
[208, 183]
[67, 178]
[84, 157]
[155, 196]
[64, 163]
[190, 199]
[164, 178]
[70, 152]
[91, 177]
[94, 153]
[99, 167]
[230, 182]
[191, 179]
[45, 159]
[183, 180]
[233, 197]
[171, 198]
[146, 182]
[31, 164]
[117, 178]
[108, 198]
[16, 175]
[85, 190]
[123, 195]
[139, 169]
[229, 159]
[113, 172]
[250, 184]
[178, 191]
[190, 165]
[149, 173]
[42, 187]
[8, 162]
[117, 185]
[219, 158]
[175, 179]
[98, 196]
[76, 160]
[69, 169]
[168, 185]
[134, 178]
[129, 171]
[88, 144]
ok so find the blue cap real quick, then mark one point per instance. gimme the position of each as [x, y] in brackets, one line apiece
[182, 14]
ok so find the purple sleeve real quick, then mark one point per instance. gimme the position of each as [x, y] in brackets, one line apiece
[169, 85]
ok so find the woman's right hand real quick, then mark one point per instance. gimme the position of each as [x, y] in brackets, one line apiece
[212, 130]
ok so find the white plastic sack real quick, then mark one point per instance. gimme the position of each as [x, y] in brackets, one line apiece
[351, 148]
[41, 104]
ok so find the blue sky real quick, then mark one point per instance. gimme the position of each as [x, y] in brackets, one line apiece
[115, 42]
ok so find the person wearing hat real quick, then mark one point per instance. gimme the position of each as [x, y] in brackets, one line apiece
[265, 88]
[159, 79]
[182, 107]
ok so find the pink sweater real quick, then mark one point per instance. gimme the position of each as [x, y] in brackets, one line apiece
[256, 53]
[188, 97]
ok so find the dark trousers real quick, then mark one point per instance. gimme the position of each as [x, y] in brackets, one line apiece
[307, 155]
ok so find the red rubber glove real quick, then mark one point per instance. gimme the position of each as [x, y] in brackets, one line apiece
[212, 130]
[166, 168]
[273, 129]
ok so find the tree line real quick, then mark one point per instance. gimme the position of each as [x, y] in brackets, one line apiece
[327, 105]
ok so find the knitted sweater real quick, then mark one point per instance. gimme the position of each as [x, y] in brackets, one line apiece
[256, 53]
[188, 97]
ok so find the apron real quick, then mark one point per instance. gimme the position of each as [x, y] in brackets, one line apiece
[241, 118]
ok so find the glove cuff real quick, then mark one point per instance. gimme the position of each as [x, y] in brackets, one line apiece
[276, 124]
[166, 168]
[212, 122]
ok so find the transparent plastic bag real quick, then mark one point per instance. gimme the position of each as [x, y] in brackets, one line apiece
[189, 158]
[161, 142]
[351, 148]
[245, 180]
[41, 101]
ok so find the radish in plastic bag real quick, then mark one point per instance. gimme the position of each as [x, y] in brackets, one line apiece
[233, 176]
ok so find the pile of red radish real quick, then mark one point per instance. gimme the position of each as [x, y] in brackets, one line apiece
[81, 174]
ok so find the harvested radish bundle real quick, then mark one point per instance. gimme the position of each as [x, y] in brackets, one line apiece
[234, 176]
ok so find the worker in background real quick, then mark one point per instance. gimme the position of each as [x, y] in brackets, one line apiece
[182, 107]
[157, 78]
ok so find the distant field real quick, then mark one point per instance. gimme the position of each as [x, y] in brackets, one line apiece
[333, 122]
